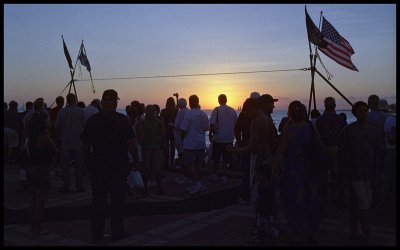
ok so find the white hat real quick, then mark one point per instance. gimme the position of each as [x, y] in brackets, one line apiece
[254, 95]
[182, 102]
[383, 104]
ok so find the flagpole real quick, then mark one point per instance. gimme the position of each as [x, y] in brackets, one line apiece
[77, 58]
[326, 80]
[73, 74]
[312, 68]
[91, 80]
[61, 93]
[90, 73]
[315, 61]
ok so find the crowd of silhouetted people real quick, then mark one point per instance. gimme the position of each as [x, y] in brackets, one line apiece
[282, 166]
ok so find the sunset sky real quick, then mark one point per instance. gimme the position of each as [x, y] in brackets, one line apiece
[133, 40]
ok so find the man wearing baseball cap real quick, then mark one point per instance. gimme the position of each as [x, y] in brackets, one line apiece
[111, 137]
[266, 103]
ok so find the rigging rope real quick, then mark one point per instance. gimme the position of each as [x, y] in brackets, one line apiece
[188, 75]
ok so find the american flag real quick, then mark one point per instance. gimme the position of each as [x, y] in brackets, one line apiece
[337, 47]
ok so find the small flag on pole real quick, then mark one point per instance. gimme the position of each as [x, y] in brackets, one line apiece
[67, 54]
[337, 47]
[83, 58]
[85, 62]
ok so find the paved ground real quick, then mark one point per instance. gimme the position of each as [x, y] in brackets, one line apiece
[212, 218]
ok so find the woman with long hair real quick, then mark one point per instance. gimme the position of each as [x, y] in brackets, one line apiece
[168, 115]
[42, 149]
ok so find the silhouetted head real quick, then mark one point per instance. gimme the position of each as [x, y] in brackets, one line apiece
[150, 112]
[383, 105]
[266, 103]
[60, 101]
[373, 102]
[71, 99]
[360, 111]
[193, 101]
[315, 113]
[81, 104]
[297, 111]
[13, 105]
[29, 105]
[330, 103]
[222, 100]
[182, 103]
[170, 104]
[157, 107]
[109, 100]
[38, 104]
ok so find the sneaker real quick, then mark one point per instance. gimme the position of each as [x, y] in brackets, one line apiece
[176, 179]
[224, 180]
[196, 188]
[213, 178]
[273, 231]
[184, 181]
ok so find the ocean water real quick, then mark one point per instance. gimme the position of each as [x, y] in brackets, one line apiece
[277, 116]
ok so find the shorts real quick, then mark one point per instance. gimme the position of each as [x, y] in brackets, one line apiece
[11, 138]
[363, 194]
[220, 148]
[193, 158]
[152, 159]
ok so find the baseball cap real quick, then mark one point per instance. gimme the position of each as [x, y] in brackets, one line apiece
[110, 95]
[266, 98]
[254, 95]
[383, 104]
[182, 102]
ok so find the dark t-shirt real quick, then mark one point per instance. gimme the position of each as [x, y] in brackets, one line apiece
[242, 125]
[168, 116]
[10, 119]
[107, 132]
[329, 126]
[359, 148]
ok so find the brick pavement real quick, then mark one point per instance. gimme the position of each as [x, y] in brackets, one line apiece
[227, 225]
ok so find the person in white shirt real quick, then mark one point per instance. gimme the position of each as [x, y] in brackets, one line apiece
[69, 126]
[183, 179]
[222, 124]
[194, 126]
[91, 109]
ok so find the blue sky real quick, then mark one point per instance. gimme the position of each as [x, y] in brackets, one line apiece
[166, 39]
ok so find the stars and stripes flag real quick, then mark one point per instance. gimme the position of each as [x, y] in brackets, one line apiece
[337, 47]
[67, 54]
